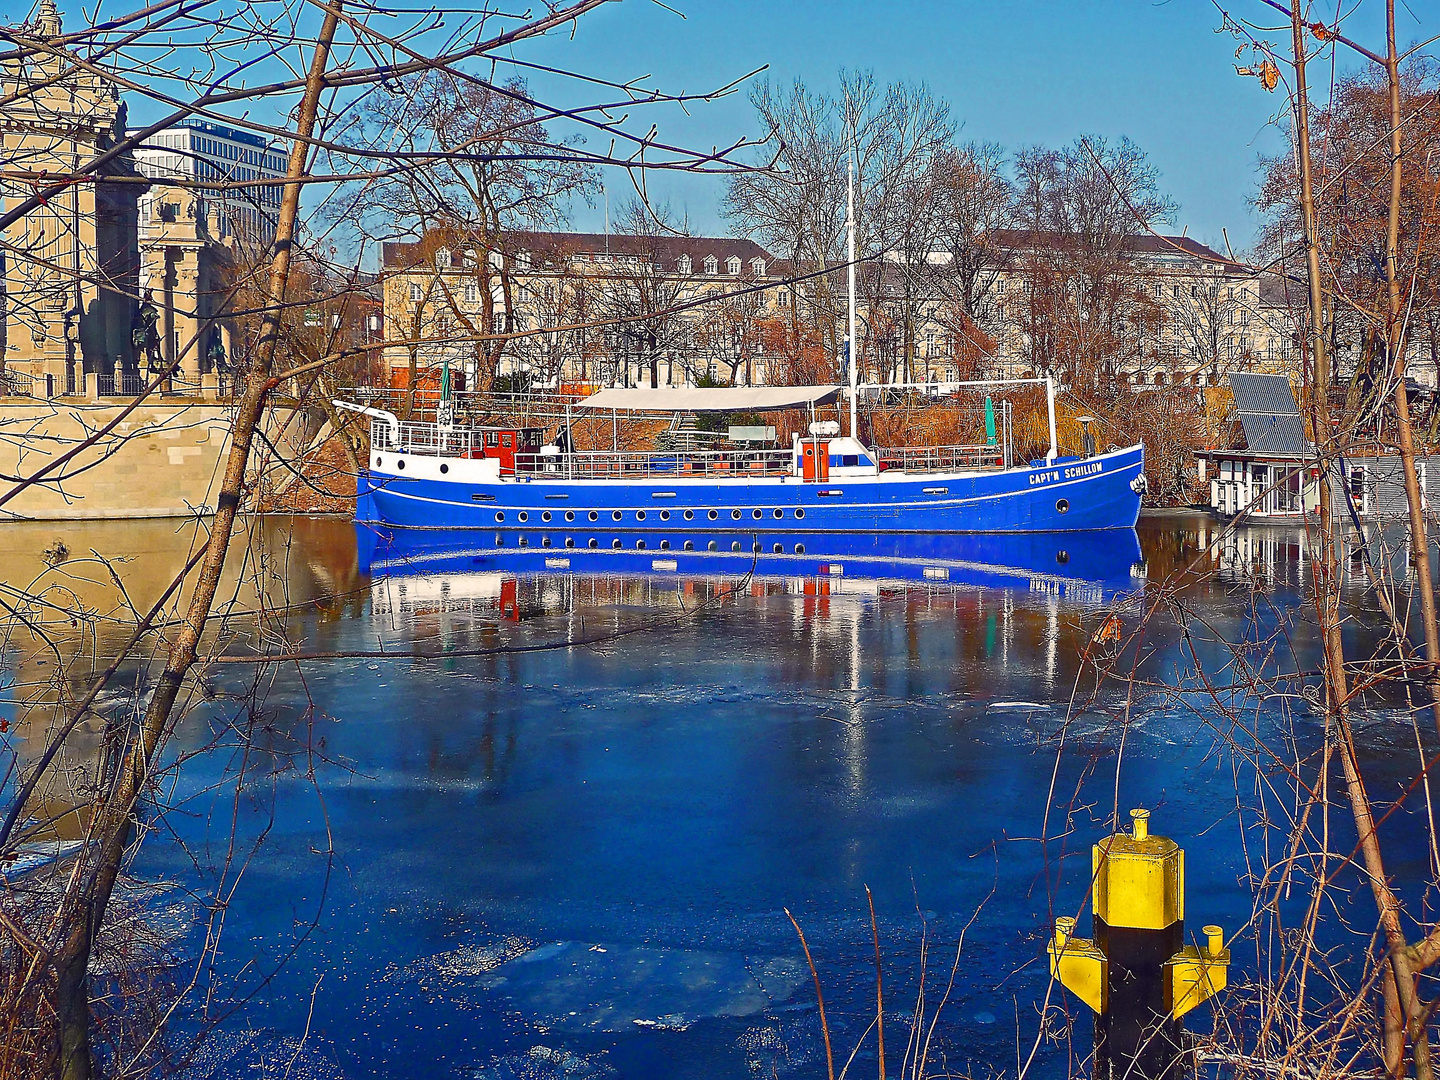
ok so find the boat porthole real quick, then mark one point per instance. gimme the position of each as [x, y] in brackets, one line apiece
[523, 516]
[689, 545]
[799, 512]
[664, 515]
[615, 543]
[569, 541]
[499, 540]
[639, 545]
[500, 515]
[1062, 557]
[755, 547]
[799, 549]
[1063, 505]
[400, 464]
[778, 548]
[594, 543]
[444, 468]
[712, 546]
[779, 513]
[735, 545]
[545, 541]
[757, 514]
[594, 516]
[735, 514]
[639, 515]
[545, 515]
[522, 541]
[569, 515]
[714, 514]
[664, 545]
[616, 515]
[689, 515]
[378, 462]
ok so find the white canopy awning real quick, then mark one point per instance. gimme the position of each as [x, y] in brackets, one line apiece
[711, 399]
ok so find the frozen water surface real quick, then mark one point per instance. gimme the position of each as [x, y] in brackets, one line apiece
[576, 862]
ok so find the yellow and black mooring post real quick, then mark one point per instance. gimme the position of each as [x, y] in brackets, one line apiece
[1138, 975]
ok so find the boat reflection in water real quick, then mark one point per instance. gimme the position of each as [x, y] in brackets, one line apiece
[1084, 567]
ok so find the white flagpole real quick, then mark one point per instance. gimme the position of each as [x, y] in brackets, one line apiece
[854, 345]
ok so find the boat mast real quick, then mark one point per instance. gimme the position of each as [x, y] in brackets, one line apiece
[850, 341]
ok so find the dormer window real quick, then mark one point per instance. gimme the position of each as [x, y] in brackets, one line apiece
[522, 260]
[442, 259]
[712, 264]
[682, 264]
[732, 265]
[757, 267]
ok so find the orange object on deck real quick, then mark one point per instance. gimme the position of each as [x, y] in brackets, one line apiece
[815, 461]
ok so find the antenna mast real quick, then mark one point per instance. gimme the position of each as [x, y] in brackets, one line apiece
[850, 344]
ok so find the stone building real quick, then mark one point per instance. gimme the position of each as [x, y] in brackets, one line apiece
[551, 286]
[71, 264]
[186, 268]
[1210, 313]
[194, 238]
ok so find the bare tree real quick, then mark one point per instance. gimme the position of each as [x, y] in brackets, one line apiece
[1085, 314]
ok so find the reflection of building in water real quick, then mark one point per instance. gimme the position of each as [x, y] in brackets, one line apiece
[1270, 556]
[86, 620]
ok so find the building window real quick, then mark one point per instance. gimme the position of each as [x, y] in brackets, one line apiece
[1159, 291]
[472, 293]
[442, 259]
[732, 265]
[1194, 292]
[416, 293]
[757, 267]
[1177, 292]
[683, 264]
[712, 264]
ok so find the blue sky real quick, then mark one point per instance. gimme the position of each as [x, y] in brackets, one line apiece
[1018, 72]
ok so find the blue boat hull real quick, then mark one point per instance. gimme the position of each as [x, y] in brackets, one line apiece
[1071, 495]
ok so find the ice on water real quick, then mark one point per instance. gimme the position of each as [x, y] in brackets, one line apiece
[617, 988]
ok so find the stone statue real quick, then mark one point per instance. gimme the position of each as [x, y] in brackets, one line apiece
[215, 352]
[145, 335]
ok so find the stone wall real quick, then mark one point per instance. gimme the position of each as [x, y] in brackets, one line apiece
[165, 459]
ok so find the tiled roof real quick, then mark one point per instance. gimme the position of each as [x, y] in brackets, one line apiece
[1140, 244]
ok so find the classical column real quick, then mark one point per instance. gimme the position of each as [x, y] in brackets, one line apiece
[187, 323]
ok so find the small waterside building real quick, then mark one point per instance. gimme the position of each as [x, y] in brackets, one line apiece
[1269, 465]
[1269, 468]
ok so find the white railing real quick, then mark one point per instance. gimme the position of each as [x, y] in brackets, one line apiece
[604, 464]
[428, 440]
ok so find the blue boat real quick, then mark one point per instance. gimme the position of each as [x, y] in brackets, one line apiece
[506, 489]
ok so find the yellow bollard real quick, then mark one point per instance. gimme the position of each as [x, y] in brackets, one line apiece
[1137, 974]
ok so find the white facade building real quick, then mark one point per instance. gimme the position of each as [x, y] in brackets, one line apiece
[196, 150]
